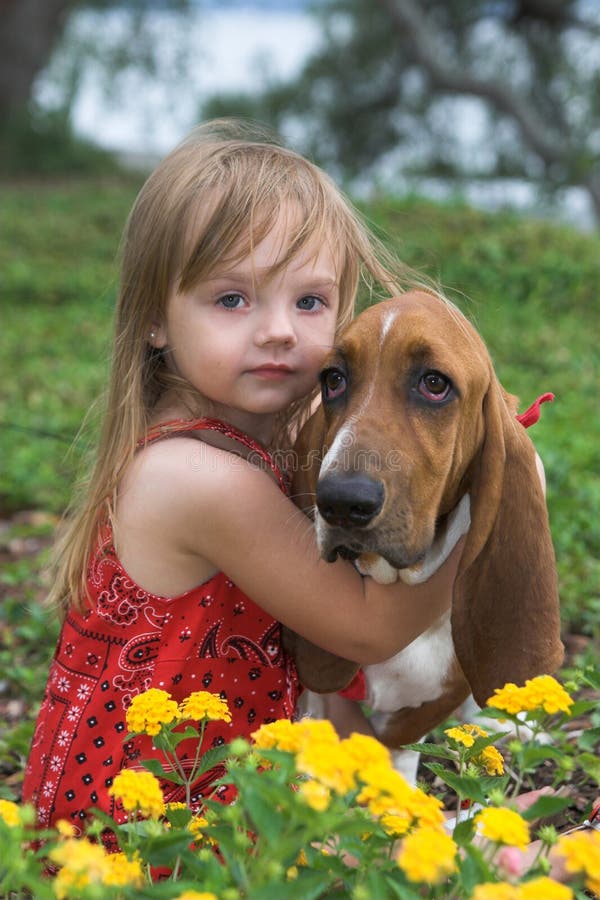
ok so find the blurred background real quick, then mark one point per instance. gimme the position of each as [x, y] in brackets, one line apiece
[467, 132]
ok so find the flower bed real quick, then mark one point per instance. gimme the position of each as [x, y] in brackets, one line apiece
[316, 816]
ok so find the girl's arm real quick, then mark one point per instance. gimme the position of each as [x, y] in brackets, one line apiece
[223, 510]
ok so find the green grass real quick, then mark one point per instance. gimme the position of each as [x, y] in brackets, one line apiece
[530, 287]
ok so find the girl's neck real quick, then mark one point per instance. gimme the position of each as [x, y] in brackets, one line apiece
[261, 428]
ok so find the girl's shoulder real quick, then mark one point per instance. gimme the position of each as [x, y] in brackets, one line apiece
[177, 493]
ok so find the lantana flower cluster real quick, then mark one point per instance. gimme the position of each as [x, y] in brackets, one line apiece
[85, 864]
[541, 693]
[149, 711]
[362, 765]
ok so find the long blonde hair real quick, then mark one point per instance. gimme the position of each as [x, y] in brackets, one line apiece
[213, 198]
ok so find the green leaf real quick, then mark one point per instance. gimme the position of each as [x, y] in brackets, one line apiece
[431, 750]
[156, 767]
[162, 850]
[589, 739]
[590, 764]
[468, 786]
[401, 890]
[213, 757]
[473, 868]
[482, 742]
[546, 805]
[581, 707]
[260, 808]
[464, 831]
[187, 734]
[307, 886]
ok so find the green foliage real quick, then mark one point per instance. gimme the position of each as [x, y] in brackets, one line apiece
[530, 287]
[58, 249]
[43, 142]
[386, 89]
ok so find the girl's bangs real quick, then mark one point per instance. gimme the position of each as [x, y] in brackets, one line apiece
[238, 220]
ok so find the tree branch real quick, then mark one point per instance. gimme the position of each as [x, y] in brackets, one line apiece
[427, 48]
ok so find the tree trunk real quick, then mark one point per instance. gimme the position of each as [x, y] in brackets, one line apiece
[29, 30]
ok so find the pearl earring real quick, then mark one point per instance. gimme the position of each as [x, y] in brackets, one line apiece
[152, 335]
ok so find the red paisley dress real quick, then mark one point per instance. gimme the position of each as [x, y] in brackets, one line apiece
[211, 638]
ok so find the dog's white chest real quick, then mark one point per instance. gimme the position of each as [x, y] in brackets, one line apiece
[414, 676]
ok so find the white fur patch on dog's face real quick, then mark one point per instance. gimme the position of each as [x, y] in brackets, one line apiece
[345, 438]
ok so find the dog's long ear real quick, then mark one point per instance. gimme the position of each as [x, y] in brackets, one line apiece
[505, 614]
[318, 670]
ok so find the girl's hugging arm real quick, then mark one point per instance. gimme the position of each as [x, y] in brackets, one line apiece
[193, 503]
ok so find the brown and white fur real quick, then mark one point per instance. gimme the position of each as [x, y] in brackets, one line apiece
[424, 471]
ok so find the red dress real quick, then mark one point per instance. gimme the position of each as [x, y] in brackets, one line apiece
[211, 638]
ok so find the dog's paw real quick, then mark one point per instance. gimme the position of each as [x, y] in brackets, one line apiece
[376, 567]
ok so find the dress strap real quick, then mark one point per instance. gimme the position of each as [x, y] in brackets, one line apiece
[183, 426]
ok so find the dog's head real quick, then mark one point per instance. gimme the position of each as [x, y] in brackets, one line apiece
[412, 418]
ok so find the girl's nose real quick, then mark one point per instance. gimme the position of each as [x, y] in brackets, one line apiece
[276, 327]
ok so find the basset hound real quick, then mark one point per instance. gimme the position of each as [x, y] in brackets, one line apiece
[415, 443]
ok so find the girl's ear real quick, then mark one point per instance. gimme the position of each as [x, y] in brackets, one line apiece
[157, 335]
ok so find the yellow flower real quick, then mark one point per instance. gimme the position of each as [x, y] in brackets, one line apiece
[150, 710]
[10, 813]
[122, 871]
[138, 791]
[427, 855]
[503, 826]
[292, 736]
[395, 825]
[509, 699]
[203, 705]
[425, 809]
[315, 794]
[82, 862]
[365, 750]
[466, 734]
[593, 884]
[500, 890]
[323, 762]
[64, 828]
[543, 693]
[197, 826]
[196, 895]
[543, 889]
[581, 852]
[384, 790]
[491, 760]
[386, 793]
[279, 735]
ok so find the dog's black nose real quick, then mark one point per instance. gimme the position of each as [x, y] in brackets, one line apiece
[349, 500]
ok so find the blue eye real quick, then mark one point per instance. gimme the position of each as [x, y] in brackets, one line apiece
[231, 301]
[309, 303]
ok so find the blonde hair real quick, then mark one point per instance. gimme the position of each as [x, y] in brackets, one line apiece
[213, 198]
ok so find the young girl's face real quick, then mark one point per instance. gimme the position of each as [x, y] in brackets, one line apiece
[252, 340]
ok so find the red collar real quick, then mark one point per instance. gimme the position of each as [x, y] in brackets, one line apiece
[532, 414]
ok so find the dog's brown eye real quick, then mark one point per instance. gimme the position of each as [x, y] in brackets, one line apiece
[334, 384]
[434, 386]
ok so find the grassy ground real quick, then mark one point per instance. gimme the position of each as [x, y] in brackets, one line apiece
[530, 287]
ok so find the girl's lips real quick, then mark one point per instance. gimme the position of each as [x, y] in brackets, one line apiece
[272, 371]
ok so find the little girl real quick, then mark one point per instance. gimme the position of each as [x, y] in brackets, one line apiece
[241, 262]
